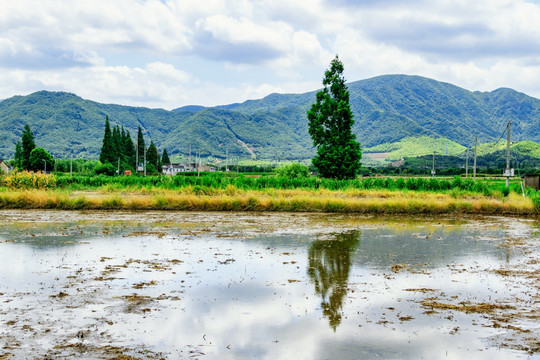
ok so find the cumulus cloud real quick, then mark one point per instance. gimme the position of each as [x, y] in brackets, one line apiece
[458, 31]
[172, 52]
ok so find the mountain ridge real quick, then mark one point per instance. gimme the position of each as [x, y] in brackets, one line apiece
[387, 108]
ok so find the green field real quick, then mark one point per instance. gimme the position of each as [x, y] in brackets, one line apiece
[233, 192]
[417, 146]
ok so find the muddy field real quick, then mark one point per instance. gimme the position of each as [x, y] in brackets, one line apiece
[174, 285]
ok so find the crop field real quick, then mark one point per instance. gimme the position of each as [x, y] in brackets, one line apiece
[220, 192]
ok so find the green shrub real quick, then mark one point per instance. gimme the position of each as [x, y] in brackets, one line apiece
[294, 170]
[105, 169]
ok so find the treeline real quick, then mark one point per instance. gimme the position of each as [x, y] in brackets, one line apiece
[119, 153]
[492, 164]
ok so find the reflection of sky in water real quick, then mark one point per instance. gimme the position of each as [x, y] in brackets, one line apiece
[261, 296]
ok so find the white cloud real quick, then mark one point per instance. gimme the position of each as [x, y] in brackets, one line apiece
[155, 53]
[243, 30]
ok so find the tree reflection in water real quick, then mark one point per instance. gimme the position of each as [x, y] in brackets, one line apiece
[329, 266]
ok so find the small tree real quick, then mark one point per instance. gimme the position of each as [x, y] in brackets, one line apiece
[38, 158]
[28, 145]
[330, 122]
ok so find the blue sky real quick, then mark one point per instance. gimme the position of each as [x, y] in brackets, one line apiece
[172, 53]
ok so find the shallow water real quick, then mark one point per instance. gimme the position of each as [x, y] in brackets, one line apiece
[265, 286]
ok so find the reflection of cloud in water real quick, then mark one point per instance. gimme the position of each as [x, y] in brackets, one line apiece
[381, 248]
[250, 304]
[329, 267]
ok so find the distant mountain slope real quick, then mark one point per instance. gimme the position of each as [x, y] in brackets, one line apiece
[386, 108]
[190, 108]
[390, 107]
[417, 146]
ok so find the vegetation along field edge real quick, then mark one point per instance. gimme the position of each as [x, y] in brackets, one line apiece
[215, 192]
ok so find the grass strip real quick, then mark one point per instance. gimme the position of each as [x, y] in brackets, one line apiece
[296, 200]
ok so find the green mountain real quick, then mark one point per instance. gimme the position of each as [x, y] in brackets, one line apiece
[387, 109]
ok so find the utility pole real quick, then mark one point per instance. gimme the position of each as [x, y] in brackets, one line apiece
[118, 171]
[71, 165]
[474, 164]
[433, 166]
[227, 161]
[508, 171]
[137, 158]
[467, 164]
[145, 161]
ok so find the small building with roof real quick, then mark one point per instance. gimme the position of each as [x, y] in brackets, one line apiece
[4, 167]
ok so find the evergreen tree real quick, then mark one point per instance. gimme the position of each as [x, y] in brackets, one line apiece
[18, 155]
[330, 122]
[121, 142]
[116, 142]
[129, 150]
[107, 154]
[28, 145]
[165, 157]
[152, 155]
[140, 145]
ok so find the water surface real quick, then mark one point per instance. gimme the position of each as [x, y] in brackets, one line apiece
[265, 286]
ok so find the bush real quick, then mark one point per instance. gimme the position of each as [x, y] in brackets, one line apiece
[536, 200]
[294, 170]
[105, 169]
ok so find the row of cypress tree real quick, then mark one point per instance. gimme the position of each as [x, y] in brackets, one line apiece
[118, 146]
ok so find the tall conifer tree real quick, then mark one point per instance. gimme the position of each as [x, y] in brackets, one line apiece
[165, 157]
[107, 152]
[152, 155]
[116, 142]
[18, 155]
[129, 150]
[140, 145]
[330, 122]
[28, 145]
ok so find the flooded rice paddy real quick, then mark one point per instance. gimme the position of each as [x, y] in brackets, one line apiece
[175, 285]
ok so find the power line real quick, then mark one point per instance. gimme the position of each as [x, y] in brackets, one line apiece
[504, 132]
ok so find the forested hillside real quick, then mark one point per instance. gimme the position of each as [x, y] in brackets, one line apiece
[386, 108]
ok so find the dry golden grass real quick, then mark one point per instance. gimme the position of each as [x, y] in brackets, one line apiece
[232, 199]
